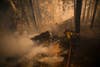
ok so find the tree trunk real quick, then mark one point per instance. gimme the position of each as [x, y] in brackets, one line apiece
[84, 11]
[78, 6]
[91, 10]
[94, 13]
[31, 5]
[87, 17]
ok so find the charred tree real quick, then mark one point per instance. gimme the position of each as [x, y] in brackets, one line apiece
[78, 6]
[94, 13]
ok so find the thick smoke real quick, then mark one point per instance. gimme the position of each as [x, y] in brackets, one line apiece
[14, 44]
[29, 51]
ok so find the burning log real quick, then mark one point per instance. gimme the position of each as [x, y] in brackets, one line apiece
[45, 36]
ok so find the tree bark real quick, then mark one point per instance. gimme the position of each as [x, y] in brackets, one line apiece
[87, 17]
[91, 10]
[32, 8]
[78, 6]
[94, 13]
[84, 11]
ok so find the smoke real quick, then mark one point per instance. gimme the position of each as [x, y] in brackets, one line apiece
[44, 53]
[14, 44]
[28, 51]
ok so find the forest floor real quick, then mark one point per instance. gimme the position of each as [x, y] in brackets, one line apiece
[87, 53]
